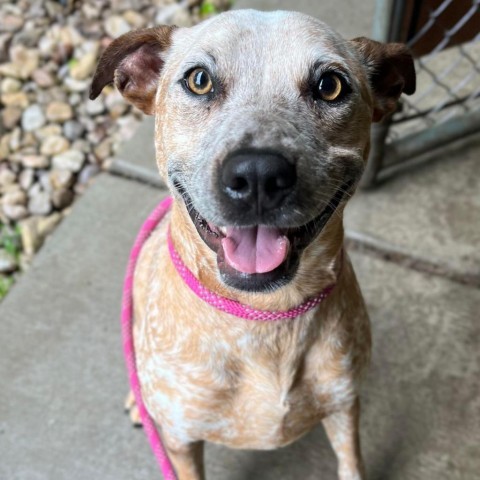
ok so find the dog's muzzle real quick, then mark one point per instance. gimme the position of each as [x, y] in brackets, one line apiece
[254, 252]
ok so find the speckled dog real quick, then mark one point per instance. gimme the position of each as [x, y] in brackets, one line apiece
[262, 133]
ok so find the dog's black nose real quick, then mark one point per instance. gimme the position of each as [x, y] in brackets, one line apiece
[261, 179]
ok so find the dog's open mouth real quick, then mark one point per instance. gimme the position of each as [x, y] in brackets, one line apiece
[261, 257]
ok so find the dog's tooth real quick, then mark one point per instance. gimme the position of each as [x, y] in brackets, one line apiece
[223, 230]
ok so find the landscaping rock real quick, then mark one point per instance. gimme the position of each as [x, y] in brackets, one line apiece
[44, 181]
[8, 263]
[11, 23]
[10, 85]
[84, 67]
[115, 104]
[62, 198]
[81, 145]
[29, 143]
[73, 130]
[7, 177]
[61, 178]
[182, 18]
[43, 78]
[5, 39]
[10, 117]
[116, 26]
[29, 233]
[54, 145]
[70, 160]
[73, 85]
[34, 230]
[35, 189]
[15, 99]
[59, 112]
[24, 60]
[15, 212]
[35, 161]
[28, 36]
[17, 197]
[39, 203]
[134, 19]
[91, 11]
[26, 178]
[50, 130]
[33, 118]
[4, 148]
[15, 139]
[95, 107]
[87, 173]
[103, 150]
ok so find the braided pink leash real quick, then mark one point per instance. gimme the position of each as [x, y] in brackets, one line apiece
[226, 305]
[128, 346]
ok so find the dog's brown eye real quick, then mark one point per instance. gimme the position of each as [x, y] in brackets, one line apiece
[329, 87]
[199, 81]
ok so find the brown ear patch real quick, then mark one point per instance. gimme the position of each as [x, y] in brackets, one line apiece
[390, 70]
[133, 62]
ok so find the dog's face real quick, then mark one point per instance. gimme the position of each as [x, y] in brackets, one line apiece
[263, 124]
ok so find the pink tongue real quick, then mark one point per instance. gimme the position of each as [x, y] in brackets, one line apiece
[255, 249]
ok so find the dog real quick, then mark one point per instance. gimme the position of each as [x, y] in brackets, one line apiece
[262, 134]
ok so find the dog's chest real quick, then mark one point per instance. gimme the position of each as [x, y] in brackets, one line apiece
[248, 386]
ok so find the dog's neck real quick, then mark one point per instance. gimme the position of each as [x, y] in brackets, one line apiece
[318, 269]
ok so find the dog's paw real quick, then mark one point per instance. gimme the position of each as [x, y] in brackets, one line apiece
[132, 410]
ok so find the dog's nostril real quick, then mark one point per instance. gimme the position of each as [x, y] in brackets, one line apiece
[238, 184]
[272, 184]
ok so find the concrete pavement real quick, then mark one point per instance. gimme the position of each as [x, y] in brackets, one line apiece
[351, 18]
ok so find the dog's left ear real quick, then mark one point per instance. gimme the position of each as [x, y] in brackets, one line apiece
[390, 70]
[134, 62]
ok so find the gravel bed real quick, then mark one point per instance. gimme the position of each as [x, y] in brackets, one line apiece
[53, 140]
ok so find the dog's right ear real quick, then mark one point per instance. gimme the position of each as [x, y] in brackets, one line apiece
[133, 62]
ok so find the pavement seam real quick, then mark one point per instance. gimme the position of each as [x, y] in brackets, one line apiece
[354, 240]
[362, 243]
[128, 170]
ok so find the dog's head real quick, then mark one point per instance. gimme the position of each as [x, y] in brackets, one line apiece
[262, 128]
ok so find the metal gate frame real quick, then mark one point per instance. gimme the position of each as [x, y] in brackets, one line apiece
[389, 19]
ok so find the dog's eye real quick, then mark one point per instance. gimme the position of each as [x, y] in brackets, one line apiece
[330, 87]
[199, 81]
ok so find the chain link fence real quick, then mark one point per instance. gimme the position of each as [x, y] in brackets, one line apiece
[444, 36]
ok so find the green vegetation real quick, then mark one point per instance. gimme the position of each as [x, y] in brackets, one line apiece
[208, 8]
[10, 240]
[72, 62]
[5, 284]
[11, 243]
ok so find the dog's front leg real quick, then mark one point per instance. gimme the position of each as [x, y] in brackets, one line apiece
[187, 459]
[342, 429]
